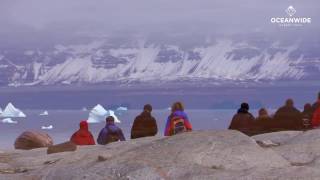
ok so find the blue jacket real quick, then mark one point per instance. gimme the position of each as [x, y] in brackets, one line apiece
[104, 133]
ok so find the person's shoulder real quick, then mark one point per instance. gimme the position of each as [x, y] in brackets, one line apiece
[138, 118]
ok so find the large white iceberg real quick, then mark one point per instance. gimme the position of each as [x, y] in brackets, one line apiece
[47, 127]
[44, 113]
[11, 112]
[99, 113]
[9, 121]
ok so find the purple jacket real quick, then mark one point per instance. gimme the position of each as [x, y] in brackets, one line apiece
[104, 133]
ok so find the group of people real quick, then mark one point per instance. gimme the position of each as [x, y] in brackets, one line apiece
[287, 117]
[144, 125]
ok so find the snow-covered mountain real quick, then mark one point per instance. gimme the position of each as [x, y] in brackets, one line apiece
[100, 61]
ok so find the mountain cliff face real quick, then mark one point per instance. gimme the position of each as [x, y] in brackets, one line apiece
[100, 61]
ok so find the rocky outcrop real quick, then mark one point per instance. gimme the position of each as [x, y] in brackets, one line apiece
[32, 139]
[63, 147]
[210, 155]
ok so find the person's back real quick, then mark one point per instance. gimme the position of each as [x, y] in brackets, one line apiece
[288, 117]
[316, 104]
[110, 133]
[307, 116]
[243, 120]
[83, 136]
[263, 122]
[178, 121]
[145, 124]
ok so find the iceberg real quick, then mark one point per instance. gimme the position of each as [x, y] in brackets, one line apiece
[84, 109]
[47, 127]
[122, 108]
[1, 110]
[9, 121]
[97, 114]
[11, 112]
[45, 113]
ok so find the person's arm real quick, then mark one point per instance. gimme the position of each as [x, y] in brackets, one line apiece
[233, 123]
[155, 126]
[167, 128]
[101, 138]
[91, 141]
[121, 136]
[73, 137]
[134, 128]
[188, 124]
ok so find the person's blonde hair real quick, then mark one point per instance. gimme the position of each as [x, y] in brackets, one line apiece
[177, 106]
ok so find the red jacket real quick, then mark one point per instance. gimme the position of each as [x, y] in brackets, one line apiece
[83, 136]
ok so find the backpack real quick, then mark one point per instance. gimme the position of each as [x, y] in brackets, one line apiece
[177, 125]
[112, 136]
[316, 117]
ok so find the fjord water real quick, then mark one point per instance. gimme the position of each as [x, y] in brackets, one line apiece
[66, 122]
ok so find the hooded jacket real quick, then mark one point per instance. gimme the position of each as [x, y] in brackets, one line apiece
[83, 136]
[181, 114]
[144, 125]
[107, 131]
[243, 120]
[288, 117]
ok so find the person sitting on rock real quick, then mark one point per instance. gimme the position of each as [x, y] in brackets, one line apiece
[288, 117]
[145, 124]
[316, 113]
[307, 116]
[110, 133]
[242, 121]
[263, 121]
[83, 136]
[178, 121]
[316, 104]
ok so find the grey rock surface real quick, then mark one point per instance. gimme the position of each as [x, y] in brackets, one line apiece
[220, 154]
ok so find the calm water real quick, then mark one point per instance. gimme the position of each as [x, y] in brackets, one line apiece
[66, 122]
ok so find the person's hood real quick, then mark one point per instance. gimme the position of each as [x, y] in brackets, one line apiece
[243, 110]
[84, 126]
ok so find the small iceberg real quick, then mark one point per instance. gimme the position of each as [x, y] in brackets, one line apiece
[12, 112]
[9, 121]
[84, 109]
[45, 113]
[99, 113]
[122, 108]
[47, 127]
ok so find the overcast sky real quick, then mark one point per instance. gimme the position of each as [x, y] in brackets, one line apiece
[145, 16]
